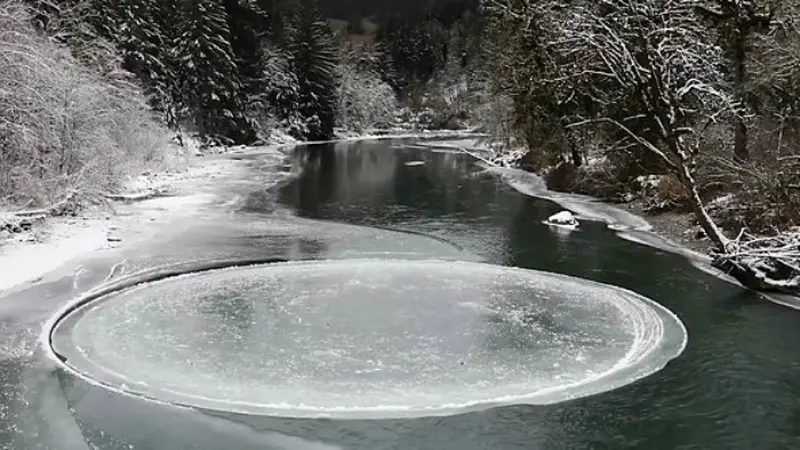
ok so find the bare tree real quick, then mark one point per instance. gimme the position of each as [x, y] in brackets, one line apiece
[655, 57]
[365, 101]
[66, 130]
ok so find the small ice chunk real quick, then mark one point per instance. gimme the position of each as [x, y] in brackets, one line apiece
[415, 163]
[563, 219]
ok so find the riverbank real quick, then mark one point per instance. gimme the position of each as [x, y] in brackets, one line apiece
[143, 205]
[678, 227]
[36, 244]
[674, 231]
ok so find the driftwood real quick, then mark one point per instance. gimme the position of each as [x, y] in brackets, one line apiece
[56, 209]
[24, 220]
[770, 264]
[135, 197]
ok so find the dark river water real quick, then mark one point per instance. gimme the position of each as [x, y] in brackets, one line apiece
[736, 385]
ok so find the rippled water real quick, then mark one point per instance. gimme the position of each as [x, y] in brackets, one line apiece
[734, 387]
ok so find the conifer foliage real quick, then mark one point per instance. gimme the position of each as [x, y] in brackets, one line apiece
[233, 70]
[228, 69]
[211, 81]
[314, 60]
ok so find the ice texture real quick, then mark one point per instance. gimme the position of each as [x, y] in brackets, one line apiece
[367, 338]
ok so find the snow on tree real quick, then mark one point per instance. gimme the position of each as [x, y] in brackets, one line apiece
[68, 131]
[211, 84]
[415, 50]
[530, 70]
[314, 61]
[364, 99]
[656, 58]
[281, 93]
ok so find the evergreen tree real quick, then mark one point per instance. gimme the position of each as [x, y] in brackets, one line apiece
[211, 84]
[416, 48]
[273, 18]
[314, 63]
[169, 91]
[140, 34]
[244, 22]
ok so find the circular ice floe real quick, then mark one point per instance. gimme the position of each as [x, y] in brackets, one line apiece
[366, 338]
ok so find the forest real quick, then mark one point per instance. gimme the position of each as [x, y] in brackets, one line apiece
[685, 105]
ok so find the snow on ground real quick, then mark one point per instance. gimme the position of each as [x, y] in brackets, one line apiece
[27, 257]
[563, 219]
[145, 204]
[400, 133]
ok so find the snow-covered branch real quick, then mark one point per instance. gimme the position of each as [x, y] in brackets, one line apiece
[767, 263]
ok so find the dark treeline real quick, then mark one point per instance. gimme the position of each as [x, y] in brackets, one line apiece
[233, 69]
[355, 10]
[217, 66]
[89, 89]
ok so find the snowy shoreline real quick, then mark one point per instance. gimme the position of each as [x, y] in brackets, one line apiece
[628, 225]
[142, 207]
[145, 203]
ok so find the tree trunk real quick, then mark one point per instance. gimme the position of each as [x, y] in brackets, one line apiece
[740, 150]
[569, 139]
[576, 157]
[706, 223]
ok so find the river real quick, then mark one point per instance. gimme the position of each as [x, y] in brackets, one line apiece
[735, 386]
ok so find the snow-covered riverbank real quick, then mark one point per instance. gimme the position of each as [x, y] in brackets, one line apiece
[144, 205]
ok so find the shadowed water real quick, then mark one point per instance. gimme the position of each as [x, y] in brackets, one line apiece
[734, 387]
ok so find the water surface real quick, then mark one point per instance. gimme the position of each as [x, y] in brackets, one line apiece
[734, 387]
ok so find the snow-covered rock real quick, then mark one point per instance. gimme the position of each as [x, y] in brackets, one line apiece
[563, 219]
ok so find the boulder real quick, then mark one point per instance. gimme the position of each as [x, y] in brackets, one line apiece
[563, 219]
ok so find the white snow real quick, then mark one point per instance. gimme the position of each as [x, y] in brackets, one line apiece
[24, 259]
[146, 203]
[563, 219]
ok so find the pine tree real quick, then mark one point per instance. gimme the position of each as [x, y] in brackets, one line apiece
[314, 60]
[211, 84]
[246, 42]
[79, 25]
[417, 48]
[169, 91]
[273, 19]
[140, 34]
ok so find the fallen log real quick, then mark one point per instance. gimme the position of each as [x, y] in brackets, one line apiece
[769, 264]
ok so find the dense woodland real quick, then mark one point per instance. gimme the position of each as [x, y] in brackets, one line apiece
[693, 100]
[689, 104]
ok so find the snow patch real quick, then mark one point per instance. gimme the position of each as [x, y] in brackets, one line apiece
[563, 219]
[23, 259]
[144, 205]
